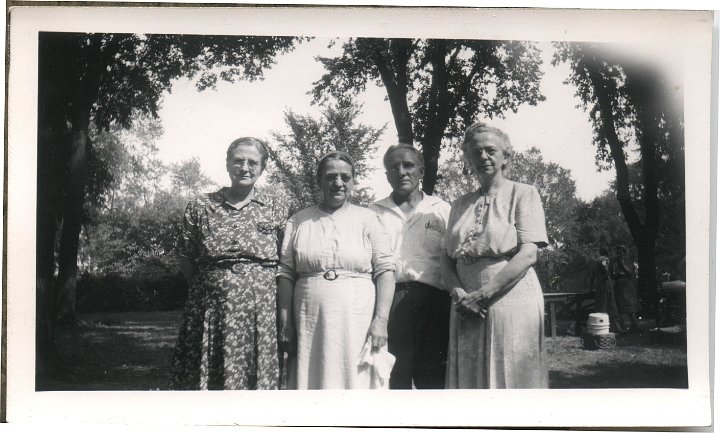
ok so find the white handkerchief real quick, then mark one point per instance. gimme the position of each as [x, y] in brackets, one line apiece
[377, 365]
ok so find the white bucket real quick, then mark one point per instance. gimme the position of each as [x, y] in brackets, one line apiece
[598, 324]
[598, 330]
[598, 319]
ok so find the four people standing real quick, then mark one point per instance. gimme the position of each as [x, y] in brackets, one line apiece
[350, 278]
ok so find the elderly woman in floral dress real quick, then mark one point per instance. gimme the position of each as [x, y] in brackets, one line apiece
[229, 250]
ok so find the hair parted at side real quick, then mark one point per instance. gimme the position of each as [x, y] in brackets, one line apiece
[400, 146]
[334, 155]
[249, 141]
[479, 128]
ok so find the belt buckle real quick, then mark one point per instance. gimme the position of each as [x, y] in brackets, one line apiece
[330, 275]
[237, 268]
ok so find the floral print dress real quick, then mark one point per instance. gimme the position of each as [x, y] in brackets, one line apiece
[228, 337]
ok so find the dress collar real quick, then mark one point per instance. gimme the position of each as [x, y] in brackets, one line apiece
[338, 211]
[217, 198]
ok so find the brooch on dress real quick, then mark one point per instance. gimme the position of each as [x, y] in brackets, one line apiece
[265, 228]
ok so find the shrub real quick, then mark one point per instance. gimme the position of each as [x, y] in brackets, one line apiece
[143, 291]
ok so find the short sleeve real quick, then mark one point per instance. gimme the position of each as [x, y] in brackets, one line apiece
[286, 267]
[530, 219]
[382, 257]
[189, 239]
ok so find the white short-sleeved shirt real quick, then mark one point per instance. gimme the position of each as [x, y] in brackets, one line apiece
[416, 242]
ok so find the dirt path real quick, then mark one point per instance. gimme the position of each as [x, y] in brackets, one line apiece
[132, 351]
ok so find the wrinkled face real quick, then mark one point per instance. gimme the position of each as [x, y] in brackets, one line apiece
[403, 171]
[485, 154]
[336, 183]
[244, 165]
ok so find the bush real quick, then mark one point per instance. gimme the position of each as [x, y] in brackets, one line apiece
[143, 291]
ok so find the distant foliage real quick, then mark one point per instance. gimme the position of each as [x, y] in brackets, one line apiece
[296, 152]
[633, 106]
[131, 235]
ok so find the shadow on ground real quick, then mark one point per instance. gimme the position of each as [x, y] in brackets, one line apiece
[638, 360]
[133, 351]
[615, 375]
[115, 351]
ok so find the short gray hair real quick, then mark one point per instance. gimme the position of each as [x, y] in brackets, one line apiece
[249, 141]
[479, 128]
[400, 146]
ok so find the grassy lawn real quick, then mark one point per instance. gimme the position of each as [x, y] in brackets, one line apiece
[132, 351]
[637, 361]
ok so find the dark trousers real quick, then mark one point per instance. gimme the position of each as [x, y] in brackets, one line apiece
[418, 336]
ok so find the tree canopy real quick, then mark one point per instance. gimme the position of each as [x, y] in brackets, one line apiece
[631, 102]
[436, 87]
[92, 81]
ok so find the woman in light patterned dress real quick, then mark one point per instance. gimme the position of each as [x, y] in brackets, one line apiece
[229, 250]
[335, 284]
[496, 327]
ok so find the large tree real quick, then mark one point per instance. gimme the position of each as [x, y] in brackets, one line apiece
[631, 102]
[296, 152]
[436, 87]
[97, 80]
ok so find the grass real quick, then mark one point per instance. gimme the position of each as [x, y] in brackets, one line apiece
[645, 360]
[132, 351]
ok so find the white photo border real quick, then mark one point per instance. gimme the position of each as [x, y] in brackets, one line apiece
[686, 31]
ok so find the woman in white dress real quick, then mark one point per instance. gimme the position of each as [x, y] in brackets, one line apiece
[335, 284]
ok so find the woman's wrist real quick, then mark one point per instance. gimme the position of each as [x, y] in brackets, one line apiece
[381, 319]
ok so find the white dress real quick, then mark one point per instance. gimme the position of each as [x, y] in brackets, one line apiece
[505, 349]
[332, 317]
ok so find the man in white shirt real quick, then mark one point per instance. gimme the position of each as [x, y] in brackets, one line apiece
[419, 316]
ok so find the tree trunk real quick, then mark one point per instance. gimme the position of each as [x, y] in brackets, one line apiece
[642, 91]
[641, 95]
[604, 91]
[431, 155]
[439, 112]
[72, 222]
[52, 138]
[395, 82]
[85, 74]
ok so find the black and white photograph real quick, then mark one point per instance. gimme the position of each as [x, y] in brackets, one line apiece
[359, 216]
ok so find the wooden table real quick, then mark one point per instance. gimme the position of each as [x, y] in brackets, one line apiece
[576, 297]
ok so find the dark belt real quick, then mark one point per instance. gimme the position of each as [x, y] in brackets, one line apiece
[236, 265]
[409, 285]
